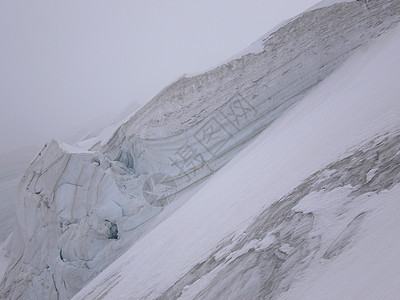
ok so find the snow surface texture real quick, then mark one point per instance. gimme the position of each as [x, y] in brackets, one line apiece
[3, 261]
[308, 211]
[80, 208]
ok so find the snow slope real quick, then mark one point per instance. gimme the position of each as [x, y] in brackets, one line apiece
[82, 206]
[3, 261]
[258, 46]
[309, 209]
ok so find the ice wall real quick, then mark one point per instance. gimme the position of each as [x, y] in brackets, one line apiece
[79, 208]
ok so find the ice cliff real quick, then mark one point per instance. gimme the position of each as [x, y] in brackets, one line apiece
[81, 206]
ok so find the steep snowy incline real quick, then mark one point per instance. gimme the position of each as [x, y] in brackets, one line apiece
[81, 207]
[238, 100]
[3, 261]
[306, 195]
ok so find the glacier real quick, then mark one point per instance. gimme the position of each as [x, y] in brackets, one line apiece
[309, 210]
[81, 207]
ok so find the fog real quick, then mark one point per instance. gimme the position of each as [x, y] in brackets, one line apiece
[68, 65]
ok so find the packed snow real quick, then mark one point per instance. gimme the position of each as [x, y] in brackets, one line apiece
[3, 261]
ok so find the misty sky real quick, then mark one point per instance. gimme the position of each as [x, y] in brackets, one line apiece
[67, 64]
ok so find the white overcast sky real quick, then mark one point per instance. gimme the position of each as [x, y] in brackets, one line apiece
[66, 63]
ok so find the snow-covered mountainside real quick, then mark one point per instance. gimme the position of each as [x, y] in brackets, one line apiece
[309, 210]
[82, 206]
